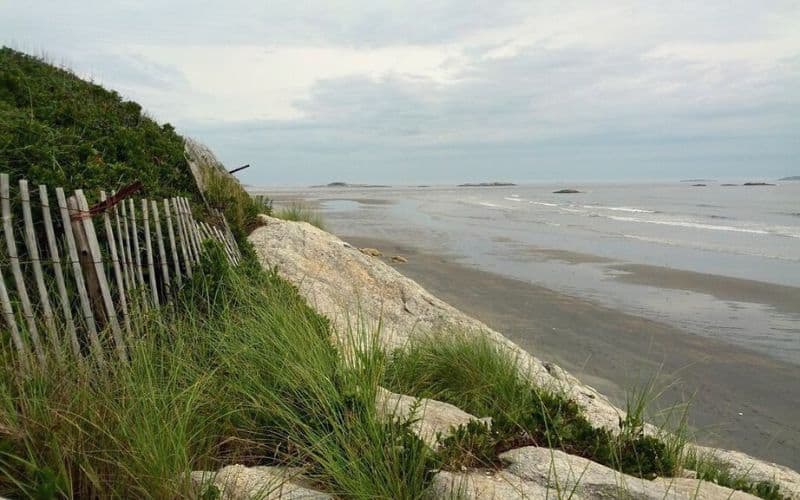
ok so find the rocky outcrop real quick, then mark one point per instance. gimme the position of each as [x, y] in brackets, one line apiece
[432, 419]
[533, 472]
[237, 482]
[355, 290]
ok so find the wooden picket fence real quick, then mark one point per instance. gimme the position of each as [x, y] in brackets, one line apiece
[80, 274]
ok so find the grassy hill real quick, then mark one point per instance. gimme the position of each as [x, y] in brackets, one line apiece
[59, 130]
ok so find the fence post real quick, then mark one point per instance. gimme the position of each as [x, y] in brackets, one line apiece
[38, 275]
[52, 246]
[173, 248]
[137, 252]
[120, 280]
[100, 273]
[85, 259]
[8, 315]
[77, 272]
[16, 269]
[162, 255]
[149, 252]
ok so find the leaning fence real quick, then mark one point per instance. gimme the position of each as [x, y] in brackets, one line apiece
[73, 275]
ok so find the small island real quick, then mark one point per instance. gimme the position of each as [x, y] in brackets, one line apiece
[340, 184]
[757, 184]
[566, 191]
[790, 178]
[487, 184]
[699, 185]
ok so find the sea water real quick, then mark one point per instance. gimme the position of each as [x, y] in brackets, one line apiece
[576, 244]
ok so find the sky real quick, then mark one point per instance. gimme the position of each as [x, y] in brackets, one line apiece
[448, 91]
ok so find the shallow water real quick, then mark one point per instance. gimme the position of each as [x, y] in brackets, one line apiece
[577, 244]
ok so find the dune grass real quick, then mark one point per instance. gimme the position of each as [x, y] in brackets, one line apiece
[245, 373]
[481, 377]
[300, 212]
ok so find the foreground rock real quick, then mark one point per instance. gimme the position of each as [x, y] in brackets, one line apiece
[353, 289]
[237, 482]
[544, 473]
[432, 419]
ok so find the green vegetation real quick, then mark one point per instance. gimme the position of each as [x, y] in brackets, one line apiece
[710, 469]
[224, 193]
[244, 373]
[481, 377]
[59, 130]
[301, 213]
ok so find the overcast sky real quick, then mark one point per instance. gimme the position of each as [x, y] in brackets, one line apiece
[458, 90]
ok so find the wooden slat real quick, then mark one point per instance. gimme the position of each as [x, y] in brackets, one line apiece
[184, 244]
[149, 252]
[171, 233]
[33, 254]
[118, 275]
[72, 253]
[137, 254]
[162, 254]
[16, 269]
[221, 237]
[97, 258]
[128, 245]
[11, 321]
[55, 260]
[194, 234]
[123, 257]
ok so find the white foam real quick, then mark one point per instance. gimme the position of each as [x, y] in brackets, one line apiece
[693, 225]
[544, 204]
[514, 198]
[490, 205]
[621, 209]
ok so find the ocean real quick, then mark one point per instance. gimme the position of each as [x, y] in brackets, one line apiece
[717, 261]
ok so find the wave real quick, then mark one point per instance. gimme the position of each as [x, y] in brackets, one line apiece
[514, 198]
[693, 225]
[544, 204]
[491, 205]
[622, 209]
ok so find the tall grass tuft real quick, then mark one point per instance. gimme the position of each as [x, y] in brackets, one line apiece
[481, 377]
[240, 371]
[300, 212]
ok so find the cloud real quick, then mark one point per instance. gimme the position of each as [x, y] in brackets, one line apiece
[386, 91]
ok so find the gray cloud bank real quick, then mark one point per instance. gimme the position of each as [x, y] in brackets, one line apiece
[422, 92]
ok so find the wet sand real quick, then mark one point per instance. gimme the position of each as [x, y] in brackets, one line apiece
[740, 399]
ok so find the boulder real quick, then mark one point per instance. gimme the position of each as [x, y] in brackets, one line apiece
[566, 191]
[480, 484]
[372, 252]
[237, 482]
[340, 282]
[432, 419]
[399, 259]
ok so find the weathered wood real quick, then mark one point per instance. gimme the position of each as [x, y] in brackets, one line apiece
[118, 275]
[162, 254]
[137, 252]
[33, 254]
[87, 263]
[171, 232]
[149, 252]
[128, 245]
[16, 269]
[123, 257]
[72, 253]
[221, 237]
[55, 260]
[194, 233]
[184, 231]
[11, 321]
[184, 243]
[105, 292]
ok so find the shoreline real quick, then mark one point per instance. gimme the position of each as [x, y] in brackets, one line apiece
[742, 399]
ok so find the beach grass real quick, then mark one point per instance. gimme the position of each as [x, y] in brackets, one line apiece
[300, 212]
[244, 373]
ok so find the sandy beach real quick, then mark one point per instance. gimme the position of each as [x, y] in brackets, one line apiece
[739, 398]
